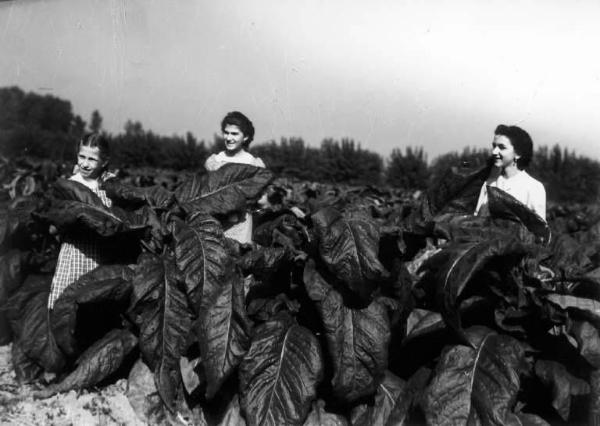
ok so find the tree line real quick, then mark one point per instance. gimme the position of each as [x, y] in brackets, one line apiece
[45, 126]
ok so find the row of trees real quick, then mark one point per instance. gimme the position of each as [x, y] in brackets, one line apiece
[46, 127]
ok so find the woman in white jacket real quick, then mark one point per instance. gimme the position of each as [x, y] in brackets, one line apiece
[512, 150]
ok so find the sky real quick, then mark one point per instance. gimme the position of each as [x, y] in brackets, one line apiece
[386, 73]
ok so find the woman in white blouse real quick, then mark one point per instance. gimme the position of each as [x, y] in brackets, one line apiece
[238, 133]
[512, 150]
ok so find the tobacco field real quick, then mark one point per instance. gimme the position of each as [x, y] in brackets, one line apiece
[353, 306]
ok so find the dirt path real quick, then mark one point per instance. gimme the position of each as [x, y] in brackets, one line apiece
[108, 406]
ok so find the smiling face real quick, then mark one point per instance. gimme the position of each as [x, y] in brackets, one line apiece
[90, 162]
[235, 140]
[503, 152]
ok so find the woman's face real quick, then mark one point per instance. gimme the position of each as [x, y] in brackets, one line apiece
[234, 138]
[503, 152]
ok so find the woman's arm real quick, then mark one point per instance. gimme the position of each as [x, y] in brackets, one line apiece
[258, 162]
[211, 163]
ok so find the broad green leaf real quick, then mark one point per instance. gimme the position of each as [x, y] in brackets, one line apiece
[475, 384]
[70, 190]
[107, 283]
[135, 196]
[504, 206]
[160, 309]
[223, 331]
[350, 249]
[76, 208]
[201, 255]
[223, 191]
[279, 374]
[357, 339]
[30, 321]
[456, 191]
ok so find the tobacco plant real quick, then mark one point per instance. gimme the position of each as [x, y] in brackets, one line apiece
[372, 308]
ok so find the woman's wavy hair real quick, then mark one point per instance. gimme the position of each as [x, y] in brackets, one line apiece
[236, 118]
[520, 140]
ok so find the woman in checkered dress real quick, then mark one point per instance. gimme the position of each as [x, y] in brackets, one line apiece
[80, 253]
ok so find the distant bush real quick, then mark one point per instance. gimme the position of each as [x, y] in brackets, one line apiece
[45, 127]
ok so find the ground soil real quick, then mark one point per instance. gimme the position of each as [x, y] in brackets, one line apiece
[108, 406]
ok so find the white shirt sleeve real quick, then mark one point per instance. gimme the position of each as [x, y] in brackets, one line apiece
[537, 199]
[211, 163]
[258, 162]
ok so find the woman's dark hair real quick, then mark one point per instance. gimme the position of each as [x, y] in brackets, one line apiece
[236, 118]
[96, 140]
[520, 140]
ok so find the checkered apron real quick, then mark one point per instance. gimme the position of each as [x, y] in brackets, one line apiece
[79, 254]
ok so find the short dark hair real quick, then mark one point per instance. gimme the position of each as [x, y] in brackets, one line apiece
[96, 140]
[520, 140]
[236, 118]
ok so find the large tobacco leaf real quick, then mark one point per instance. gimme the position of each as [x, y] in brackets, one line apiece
[224, 331]
[30, 322]
[280, 373]
[97, 363]
[452, 268]
[77, 208]
[476, 384]
[563, 383]
[134, 196]
[223, 191]
[105, 284]
[505, 206]
[456, 191]
[75, 216]
[357, 339]
[159, 307]
[201, 255]
[350, 249]
[70, 190]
